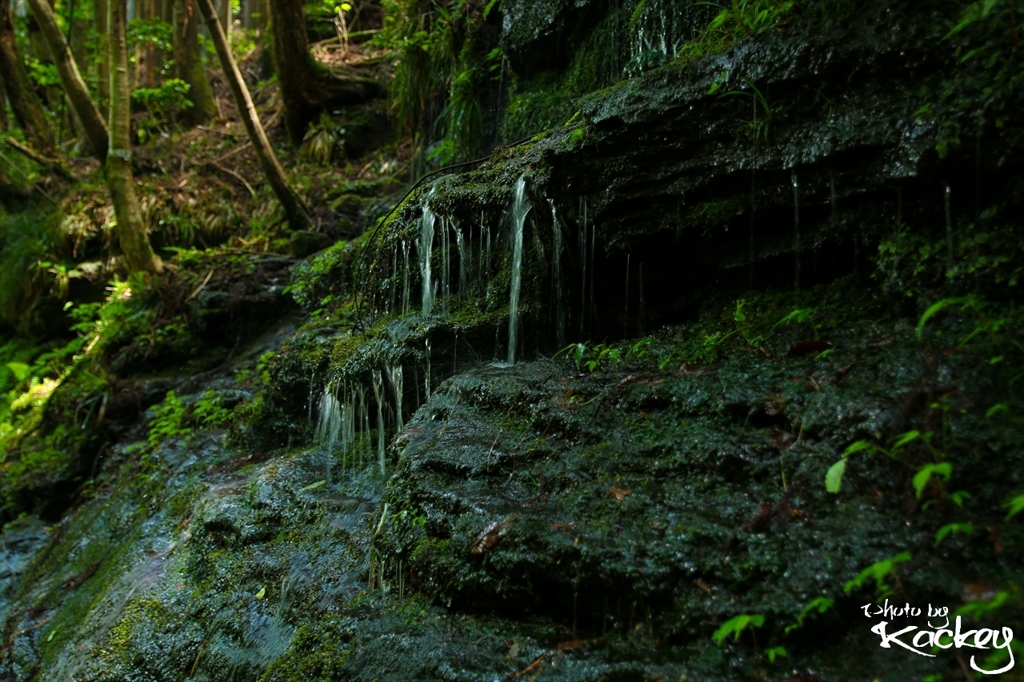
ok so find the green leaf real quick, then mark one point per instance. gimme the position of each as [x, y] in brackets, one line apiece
[878, 570]
[738, 315]
[735, 626]
[775, 652]
[935, 309]
[907, 437]
[925, 473]
[965, 528]
[996, 409]
[858, 446]
[261, 594]
[19, 369]
[834, 477]
[980, 608]
[1015, 505]
[959, 497]
[820, 603]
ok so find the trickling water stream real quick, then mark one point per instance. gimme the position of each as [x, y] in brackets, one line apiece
[378, 395]
[405, 278]
[395, 376]
[556, 276]
[520, 207]
[426, 248]
[460, 244]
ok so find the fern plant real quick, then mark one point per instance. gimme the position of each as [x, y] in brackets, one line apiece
[324, 141]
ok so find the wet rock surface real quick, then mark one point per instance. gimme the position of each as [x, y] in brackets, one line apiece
[387, 500]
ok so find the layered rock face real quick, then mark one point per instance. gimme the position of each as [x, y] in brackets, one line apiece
[670, 391]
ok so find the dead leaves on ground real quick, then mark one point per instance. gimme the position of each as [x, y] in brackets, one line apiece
[493, 534]
[619, 493]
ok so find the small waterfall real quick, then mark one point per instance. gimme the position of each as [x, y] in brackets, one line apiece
[395, 376]
[590, 300]
[426, 247]
[487, 267]
[556, 276]
[460, 244]
[405, 278]
[336, 426]
[480, 274]
[446, 261]
[331, 422]
[348, 431]
[393, 288]
[658, 29]
[309, 401]
[486, 263]
[583, 265]
[520, 207]
[378, 395]
[359, 399]
[426, 379]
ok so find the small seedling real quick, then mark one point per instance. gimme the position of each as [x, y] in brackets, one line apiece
[736, 626]
[879, 570]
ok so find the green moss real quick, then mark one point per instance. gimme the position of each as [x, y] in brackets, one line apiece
[317, 652]
[547, 100]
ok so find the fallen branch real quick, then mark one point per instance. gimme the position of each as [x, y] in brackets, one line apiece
[230, 172]
[232, 152]
[35, 185]
[53, 164]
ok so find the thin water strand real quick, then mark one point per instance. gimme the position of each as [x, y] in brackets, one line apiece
[378, 394]
[405, 278]
[396, 379]
[460, 244]
[556, 276]
[520, 207]
[426, 247]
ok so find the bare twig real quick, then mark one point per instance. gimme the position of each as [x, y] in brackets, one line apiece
[200, 287]
[230, 172]
[35, 185]
[231, 153]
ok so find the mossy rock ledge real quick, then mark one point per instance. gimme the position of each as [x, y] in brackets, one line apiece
[766, 372]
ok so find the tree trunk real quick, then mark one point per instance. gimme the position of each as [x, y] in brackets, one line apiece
[26, 106]
[85, 109]
[188, 61]
[103, 64]
[131, 230]
[306, 86]
[293, 211]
